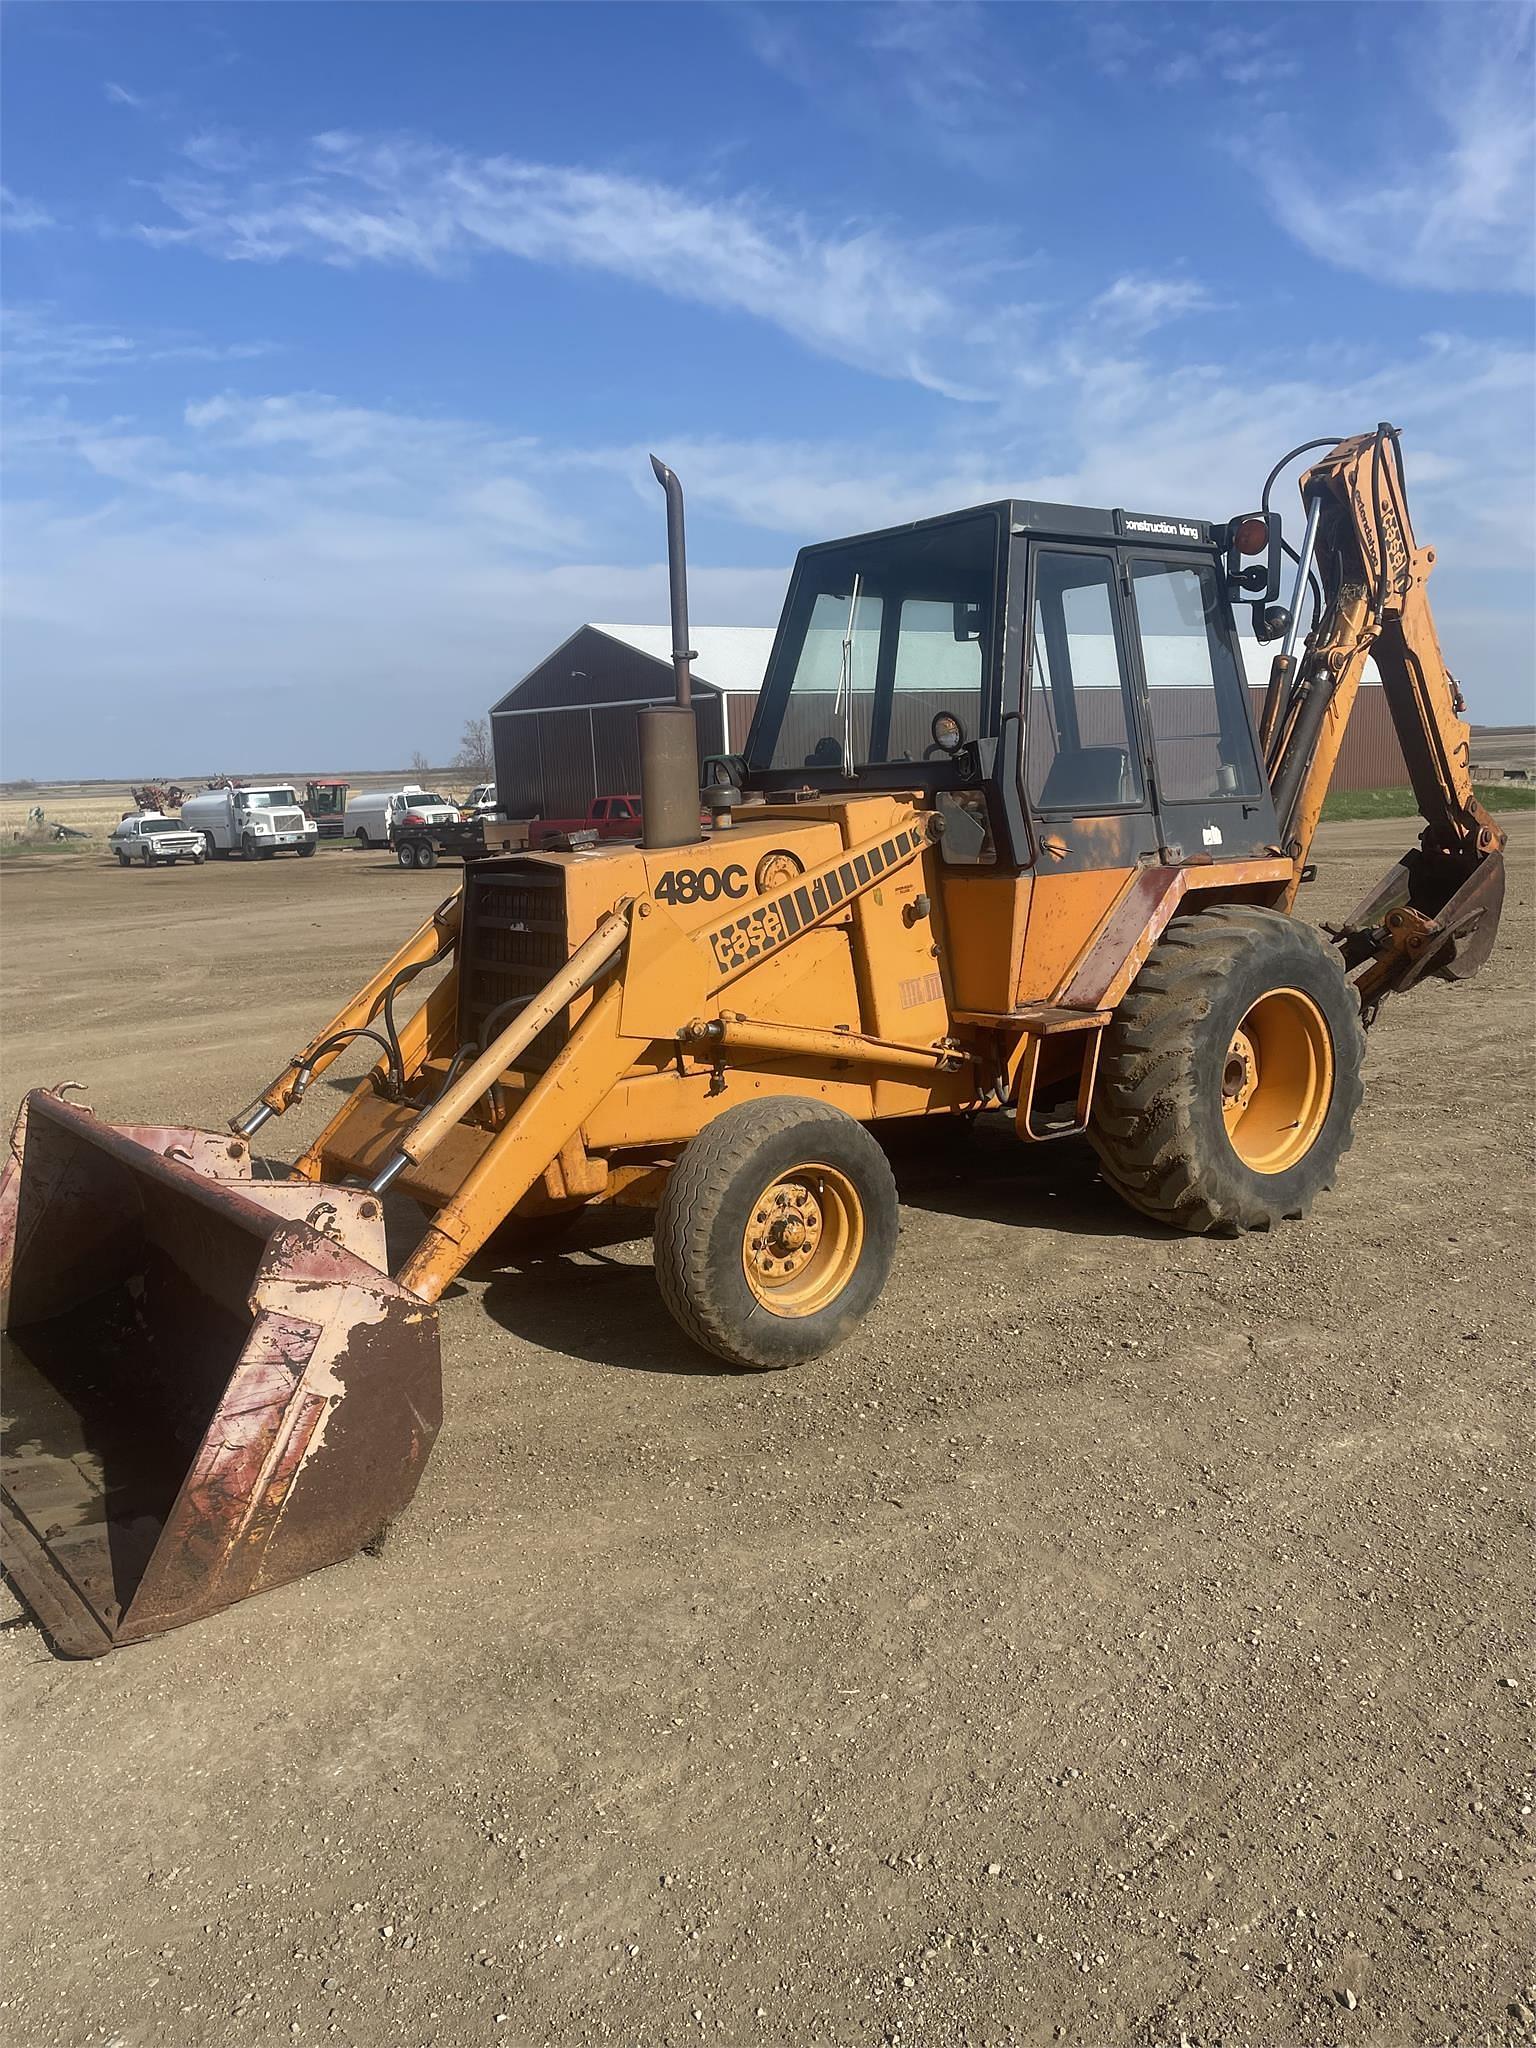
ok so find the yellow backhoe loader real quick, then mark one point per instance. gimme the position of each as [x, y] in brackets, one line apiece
[1006, 836]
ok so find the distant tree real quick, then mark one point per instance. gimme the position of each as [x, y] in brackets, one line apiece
[475, 757]
[420, 765]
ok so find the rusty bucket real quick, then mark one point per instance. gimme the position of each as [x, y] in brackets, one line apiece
[211, 1385]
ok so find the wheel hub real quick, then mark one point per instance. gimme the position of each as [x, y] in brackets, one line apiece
[1239, 1075]
[1277, 1081]
[802, 1240]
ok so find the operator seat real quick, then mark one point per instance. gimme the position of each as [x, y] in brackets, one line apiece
[1091, 779]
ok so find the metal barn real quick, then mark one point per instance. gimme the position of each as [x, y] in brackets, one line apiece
[566, 733]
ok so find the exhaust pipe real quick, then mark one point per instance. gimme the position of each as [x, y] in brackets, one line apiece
[669, 740]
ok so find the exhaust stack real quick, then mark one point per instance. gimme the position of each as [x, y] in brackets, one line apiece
[669, 743]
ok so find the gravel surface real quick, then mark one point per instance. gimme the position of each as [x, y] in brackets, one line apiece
[1123, 1640]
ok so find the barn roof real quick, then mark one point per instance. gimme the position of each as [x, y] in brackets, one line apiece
[731, 658]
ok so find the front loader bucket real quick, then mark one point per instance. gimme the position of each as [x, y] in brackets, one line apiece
[211, 1384]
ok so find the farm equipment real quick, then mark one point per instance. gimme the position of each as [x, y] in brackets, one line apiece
[1005, 837]
[159, 797]
[325, 800]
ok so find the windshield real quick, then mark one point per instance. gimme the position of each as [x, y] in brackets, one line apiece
[881, 635]
[266, 799]
[415, 799]
[161, 825]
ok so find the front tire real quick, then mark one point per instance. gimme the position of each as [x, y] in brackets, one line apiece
[1230, 1074]
[775, 1232]
[307, 852]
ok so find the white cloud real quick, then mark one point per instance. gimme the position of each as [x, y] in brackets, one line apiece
[851, 291]
[120, 96]
[20, 216]
[928, 74]
[1135, 305]
[217, 150]
[400, 569]
[40, 346]
[1176, 46]
[1442, 198]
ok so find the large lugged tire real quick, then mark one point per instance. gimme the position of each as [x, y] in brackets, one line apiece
[1230, 1074]
[776, 1231]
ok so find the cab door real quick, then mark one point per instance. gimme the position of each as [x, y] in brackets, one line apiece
[1084, 755]
[1084, 768]
[1212, 796]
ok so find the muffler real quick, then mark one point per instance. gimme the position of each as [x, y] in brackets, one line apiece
[211, 1384]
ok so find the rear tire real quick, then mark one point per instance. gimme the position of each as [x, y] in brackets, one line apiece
[426, 855]
[1230, 1074]
[363, 841]
[405, 853]
[775, 1232]
[122, 858]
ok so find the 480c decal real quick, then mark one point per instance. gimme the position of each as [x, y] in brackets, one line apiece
[701, 885]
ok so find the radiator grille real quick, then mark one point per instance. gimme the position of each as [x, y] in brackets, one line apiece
[513, 940]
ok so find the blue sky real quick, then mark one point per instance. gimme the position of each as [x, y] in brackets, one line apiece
[336, 335]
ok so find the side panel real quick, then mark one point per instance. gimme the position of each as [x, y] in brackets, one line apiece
[984, 919]
[1065, 911]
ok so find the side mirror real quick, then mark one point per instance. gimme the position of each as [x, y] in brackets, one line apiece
[967, 619]
[1270, 622]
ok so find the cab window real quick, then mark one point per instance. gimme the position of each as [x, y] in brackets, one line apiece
[1202, 741]
[1080, 747]
[880, 635]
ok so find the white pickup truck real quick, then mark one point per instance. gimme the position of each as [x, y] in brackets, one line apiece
[149, 837]
[256, 823]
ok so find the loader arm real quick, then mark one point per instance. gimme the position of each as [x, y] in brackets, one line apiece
[1437, 911]
[424, 948]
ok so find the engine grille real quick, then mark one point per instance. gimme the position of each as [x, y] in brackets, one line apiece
[513, 939]
[287, 821]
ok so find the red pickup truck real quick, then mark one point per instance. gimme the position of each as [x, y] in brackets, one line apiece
[611, 817]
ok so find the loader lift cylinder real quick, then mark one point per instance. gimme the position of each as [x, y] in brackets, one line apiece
[669, 744]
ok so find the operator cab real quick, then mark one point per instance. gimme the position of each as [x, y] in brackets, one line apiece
[1066, 684]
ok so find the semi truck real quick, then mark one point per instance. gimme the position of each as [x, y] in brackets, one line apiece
[258, 822]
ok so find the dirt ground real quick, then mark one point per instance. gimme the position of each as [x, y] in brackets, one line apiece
[1123, 1640]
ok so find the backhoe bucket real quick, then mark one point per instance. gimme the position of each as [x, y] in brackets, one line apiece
[1454, 909]
[211, 1384]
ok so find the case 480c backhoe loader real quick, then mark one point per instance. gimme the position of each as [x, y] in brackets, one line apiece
[1005, 836]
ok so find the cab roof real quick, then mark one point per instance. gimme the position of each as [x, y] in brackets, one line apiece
[1036, 518]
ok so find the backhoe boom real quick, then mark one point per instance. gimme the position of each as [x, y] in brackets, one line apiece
[1437, 911]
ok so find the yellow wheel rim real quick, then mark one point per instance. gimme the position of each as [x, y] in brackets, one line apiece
[1277, 1081]
[803, 1239]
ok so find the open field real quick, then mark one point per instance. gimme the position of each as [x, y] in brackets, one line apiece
[1351, 805]
[1498, 747]
[1119, 1642]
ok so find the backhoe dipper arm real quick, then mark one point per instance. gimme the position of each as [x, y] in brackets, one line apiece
[433, 942]
[1437, 911]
